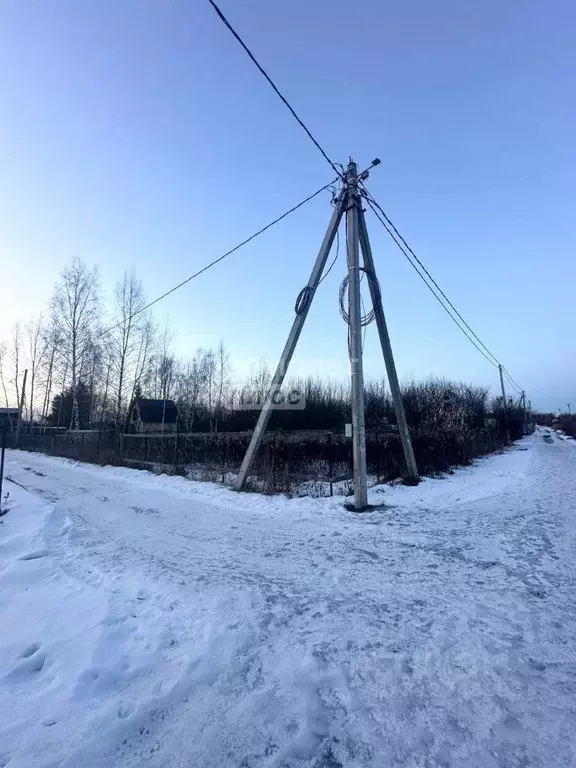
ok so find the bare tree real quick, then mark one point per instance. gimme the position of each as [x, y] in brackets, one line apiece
[16, 357]
[191, 383]
[108, 365]
[91, 372]
[165, 365]
[222, 381]
[130, 323]
[36, 352]
[52, 353]
[210, 367]
[2, 379]
[144, 354]
[75, 305]
[260, 380]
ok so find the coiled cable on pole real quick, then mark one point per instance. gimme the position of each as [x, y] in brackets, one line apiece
[303, 300]
[368, 317]
[305, 296]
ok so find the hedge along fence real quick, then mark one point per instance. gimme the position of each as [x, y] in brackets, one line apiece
[287, 460]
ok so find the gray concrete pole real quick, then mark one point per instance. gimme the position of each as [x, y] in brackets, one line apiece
[411, 466]
[355, 345]
[290, 345]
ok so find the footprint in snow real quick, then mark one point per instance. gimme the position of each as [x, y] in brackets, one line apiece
[30, 650]
[32, 661]
[36, 555]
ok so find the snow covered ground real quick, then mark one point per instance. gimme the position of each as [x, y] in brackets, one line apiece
[153, 621]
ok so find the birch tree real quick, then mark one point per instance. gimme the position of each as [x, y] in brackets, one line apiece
[130, 323]
[222, 381]
[50, 359]
[36, 351]
[2, 379]
[75, 306]
[16, 358]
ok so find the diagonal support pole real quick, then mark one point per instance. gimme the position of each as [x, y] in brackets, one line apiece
[291, 342]
[411, 466]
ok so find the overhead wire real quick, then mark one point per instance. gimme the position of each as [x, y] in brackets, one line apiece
[511, 380]
[334, 260]
[285, 101]
[378, 211]
[425, 270]
[221, 258]
[428, 284]
[433, 286]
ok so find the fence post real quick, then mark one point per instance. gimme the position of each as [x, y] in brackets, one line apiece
[3, 451]
[330, 464]
[175, 446]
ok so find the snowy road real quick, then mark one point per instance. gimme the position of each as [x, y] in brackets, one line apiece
[151, 621]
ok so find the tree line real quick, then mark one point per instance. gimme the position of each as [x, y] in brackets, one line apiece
[83, 374]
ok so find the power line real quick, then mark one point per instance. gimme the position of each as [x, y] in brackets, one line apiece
[412, 258]
[434, 288]
[334, 260]
[273, 85]
[511, 380]
[423, 267]
[426, 283]
[224, 255]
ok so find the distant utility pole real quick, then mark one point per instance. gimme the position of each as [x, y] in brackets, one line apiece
[569, 409]
[347, 202]
[523, 404]
[504, 403]
[20, 409]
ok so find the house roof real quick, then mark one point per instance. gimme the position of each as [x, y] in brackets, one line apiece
[157, 411]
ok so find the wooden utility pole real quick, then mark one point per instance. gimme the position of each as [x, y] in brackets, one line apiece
[297, 325]
[347, 202]
[411, 466]
[20, 409]
[523, 403]
[355, 321]
[504, 403]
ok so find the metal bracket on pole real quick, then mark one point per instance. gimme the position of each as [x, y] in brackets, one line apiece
[411, 466]
[290, 345]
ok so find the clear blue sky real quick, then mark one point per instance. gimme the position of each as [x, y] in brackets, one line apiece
[138, 134]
